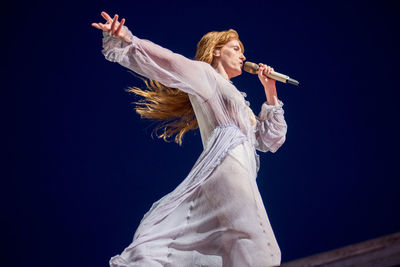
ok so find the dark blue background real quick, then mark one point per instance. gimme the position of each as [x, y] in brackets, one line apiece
[81, 169]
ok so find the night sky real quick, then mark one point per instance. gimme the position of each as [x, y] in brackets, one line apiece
[81, 168]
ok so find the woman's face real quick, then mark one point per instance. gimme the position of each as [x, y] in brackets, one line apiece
[230, 56]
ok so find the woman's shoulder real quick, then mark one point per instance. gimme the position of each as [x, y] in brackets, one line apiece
[203, 64]
[207, 69]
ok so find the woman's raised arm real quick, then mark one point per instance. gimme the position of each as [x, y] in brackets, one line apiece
[153, 61]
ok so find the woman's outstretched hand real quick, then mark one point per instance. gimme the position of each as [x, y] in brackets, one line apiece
[113, 27]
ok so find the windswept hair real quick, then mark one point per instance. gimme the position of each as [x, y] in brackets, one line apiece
[172, 106]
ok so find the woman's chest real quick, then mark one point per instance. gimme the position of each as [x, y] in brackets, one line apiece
[235, 104]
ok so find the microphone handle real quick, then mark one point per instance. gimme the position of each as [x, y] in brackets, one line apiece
[281, 77]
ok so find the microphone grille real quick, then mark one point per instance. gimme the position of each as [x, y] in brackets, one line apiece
[250, 67]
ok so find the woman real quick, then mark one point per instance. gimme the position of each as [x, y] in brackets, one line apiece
[216, 216]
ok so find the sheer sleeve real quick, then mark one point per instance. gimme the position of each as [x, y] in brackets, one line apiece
[155, 62]
[271, 128]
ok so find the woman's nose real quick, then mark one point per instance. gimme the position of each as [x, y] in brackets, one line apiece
[242, 57]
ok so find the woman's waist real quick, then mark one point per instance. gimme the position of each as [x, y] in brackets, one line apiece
[206, 130]
[245, 156]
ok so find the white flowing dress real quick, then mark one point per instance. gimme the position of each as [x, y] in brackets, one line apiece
[215, 216]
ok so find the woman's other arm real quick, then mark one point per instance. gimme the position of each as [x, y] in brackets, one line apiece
[153, 61]
[271, 124]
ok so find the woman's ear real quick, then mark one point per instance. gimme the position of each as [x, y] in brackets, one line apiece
[217, 52]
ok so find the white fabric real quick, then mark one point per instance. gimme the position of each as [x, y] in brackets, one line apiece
[216, 216]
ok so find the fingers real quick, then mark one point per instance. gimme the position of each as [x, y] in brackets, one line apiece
[104, 27]
[100, 26]
[117, 32]
[112, 30]
[271, 69]
[96, 25]
[261, 76]
[106, 17]
[261, 72]
[113, 27]
[268, 69]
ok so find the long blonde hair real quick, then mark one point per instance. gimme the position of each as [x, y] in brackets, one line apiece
[171, 106]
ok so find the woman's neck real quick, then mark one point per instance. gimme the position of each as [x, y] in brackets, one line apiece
[221, 70]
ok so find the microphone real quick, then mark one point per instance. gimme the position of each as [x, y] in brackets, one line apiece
[252, 68]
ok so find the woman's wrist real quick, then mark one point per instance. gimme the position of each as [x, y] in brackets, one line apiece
[272, 101]
[271, 95]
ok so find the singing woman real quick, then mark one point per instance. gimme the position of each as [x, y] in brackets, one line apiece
[215, 216]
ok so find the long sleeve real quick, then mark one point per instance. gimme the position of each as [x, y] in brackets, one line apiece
[155, 62]
[271, 128]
